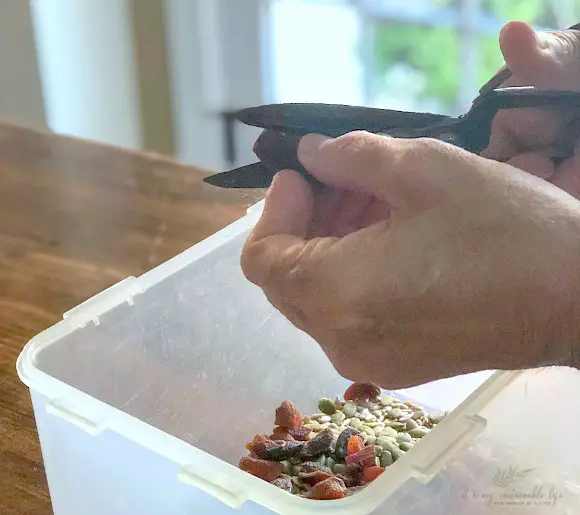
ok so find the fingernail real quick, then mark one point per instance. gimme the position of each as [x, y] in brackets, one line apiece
[309, 147]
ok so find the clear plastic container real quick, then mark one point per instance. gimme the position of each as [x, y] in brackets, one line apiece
[145, 395]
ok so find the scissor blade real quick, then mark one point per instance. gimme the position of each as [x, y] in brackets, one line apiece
[253, 176]
[332, 119]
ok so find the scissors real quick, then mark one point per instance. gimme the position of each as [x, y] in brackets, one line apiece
[285, 124]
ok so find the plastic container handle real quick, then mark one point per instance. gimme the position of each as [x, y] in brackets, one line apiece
[473, 426]
[233, 500]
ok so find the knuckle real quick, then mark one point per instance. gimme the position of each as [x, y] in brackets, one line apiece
[360, 149]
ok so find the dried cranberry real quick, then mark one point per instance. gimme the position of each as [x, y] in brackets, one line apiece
[365, 456]
[362, 392]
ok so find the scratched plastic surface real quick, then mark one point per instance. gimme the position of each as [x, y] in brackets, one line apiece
[151, 401]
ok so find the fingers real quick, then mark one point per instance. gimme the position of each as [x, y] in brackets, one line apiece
[278, 237]
[410, 175]
[542, 59]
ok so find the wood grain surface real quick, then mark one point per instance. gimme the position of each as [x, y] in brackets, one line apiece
[75, 218]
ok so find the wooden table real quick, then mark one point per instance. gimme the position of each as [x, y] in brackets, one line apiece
[75, 218]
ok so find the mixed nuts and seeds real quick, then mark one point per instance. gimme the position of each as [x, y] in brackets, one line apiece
[340, 450]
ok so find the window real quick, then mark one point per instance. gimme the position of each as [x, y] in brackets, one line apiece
[430, 55]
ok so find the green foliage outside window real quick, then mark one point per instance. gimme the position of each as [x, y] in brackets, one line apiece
[434, 54]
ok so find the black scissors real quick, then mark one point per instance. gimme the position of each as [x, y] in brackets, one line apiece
[285, 124]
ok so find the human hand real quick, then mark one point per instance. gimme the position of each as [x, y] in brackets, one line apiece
[525, 138]
[458, 264]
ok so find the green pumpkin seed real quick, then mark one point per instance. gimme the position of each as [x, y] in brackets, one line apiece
[389, 431]
[297, 482]
[395, 425]
[327, 406]
[405, 446]
[325, 419]
[387, 444]
[386, 459]
[419, 432]
[286, 467]
[378, 450]
[355, 422]
[395, 413]
[349, 409]
[411, 424]
[338, 417]
[371, 439]
[436, 417]
[377, 461]
[339, 468]
[386, 400]
[397, 454]
[403, 437]
[330, 462]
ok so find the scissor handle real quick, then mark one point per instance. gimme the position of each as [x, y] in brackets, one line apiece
[476, 124]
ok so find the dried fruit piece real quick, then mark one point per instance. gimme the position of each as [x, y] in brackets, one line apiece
[257, 439]
[266, 470]
[331, 488]
[277, 450]
[371, 473]
[288, 415]
[320, 444]
[299, 433]
[342, 442]
[362, 392]
[352, 474]
[356, 443]
[314, 477]
[313, 466]
[365, 456]
[282, 435]
[284, 483]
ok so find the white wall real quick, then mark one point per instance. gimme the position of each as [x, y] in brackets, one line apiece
[88, 69]
[20, 90]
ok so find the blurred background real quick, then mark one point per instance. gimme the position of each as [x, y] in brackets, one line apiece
[162, 75]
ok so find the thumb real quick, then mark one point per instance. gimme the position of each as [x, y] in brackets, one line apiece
[409, 174]
[542, 59]
[279, 236]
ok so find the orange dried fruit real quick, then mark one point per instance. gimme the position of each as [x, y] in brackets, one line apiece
[329, 489]
[371, 473]
[266, 470]
[356, 443]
